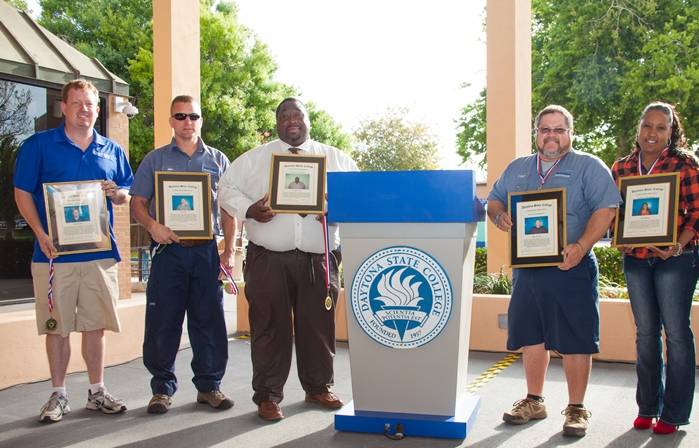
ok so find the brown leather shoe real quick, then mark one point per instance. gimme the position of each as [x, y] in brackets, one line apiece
[326, 399]
[270, 411]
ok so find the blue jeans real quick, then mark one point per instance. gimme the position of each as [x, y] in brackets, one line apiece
[661, 297]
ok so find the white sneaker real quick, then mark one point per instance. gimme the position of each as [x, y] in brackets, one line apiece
[103, 401]
[54, 409]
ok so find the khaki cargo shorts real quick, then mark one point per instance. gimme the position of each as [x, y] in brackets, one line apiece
[85, 295]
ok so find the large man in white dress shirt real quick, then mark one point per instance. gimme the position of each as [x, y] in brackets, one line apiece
[285, 270]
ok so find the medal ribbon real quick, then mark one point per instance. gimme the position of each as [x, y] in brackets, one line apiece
[539, 170]
[640, 162]
[326, 246]
[50, 294]
[229, 277]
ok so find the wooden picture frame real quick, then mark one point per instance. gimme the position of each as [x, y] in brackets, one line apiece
[183, 203]
[648, 213]
[297, 184]
[538, 234]
[77, 216]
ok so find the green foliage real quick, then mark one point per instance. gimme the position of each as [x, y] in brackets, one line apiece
[492, 284]
[605, 61]
[393, 143]
[325, 130]
[611, 268]
[238, 93]
[471, 136]
[481, 263]
[19, 4]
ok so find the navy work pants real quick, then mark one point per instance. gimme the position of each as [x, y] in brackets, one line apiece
[185, 280]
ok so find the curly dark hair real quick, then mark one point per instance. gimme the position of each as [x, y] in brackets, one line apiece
[678, 141]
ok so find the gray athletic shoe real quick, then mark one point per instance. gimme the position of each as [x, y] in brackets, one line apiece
[54, 409]
[103, 401]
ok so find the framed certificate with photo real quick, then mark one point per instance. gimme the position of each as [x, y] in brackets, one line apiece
[648, 214]
[77, 216]
[538, 233]
[297, 184]
[183, 203]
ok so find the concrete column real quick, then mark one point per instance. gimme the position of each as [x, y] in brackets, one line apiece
[176, 39]
[508, 103]
[118, 130]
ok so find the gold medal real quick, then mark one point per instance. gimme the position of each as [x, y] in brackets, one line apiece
[228, 287]
[328, 303]
[51, 324]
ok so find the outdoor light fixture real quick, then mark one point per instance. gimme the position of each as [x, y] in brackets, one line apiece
[122, 105]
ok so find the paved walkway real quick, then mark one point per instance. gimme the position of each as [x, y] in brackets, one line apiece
[188, 424]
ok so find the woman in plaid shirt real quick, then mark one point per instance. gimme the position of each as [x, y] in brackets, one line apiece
[661, 281]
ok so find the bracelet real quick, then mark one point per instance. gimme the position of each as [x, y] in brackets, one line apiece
[678, 249]
[498, 218]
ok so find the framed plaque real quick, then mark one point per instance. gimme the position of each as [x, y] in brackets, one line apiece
[538, 233]
[77, 216]
[183, 203]
[297, 184]
[648, 214]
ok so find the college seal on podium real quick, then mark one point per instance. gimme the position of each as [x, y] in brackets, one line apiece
[401, 297]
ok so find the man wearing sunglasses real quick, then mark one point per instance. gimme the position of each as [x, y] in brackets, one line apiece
[184, 273]
[285, 270]
[556, 308]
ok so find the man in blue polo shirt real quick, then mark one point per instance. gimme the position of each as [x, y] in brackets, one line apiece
[84, 285]
[556, 308]
[184, 273]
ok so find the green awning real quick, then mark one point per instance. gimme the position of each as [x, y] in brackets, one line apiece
[28, 50]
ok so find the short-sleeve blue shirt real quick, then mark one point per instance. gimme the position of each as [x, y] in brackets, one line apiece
[588, 182]
[50, 156]
[171, 158]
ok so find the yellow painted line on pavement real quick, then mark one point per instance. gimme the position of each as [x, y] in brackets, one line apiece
[492, 372]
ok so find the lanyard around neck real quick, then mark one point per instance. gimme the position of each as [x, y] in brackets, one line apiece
[540, 171]
[640, 161]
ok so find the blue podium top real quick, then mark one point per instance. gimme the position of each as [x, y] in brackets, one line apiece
[403, 196]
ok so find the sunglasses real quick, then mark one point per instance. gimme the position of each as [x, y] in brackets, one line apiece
[181, 117]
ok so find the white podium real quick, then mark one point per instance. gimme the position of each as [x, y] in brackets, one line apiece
[408, 249]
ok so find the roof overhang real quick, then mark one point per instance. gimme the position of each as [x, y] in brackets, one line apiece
[28, 50]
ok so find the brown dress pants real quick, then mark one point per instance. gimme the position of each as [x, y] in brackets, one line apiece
[286, 296]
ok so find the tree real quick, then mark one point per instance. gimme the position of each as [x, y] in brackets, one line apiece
[238, 93]
[392, 143]
[605, 61]
[325, 130]
[470, 139]
[18, 4]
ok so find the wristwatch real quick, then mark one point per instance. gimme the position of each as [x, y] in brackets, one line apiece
[678, 249]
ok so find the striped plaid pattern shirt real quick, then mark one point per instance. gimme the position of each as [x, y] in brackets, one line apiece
[689, 189]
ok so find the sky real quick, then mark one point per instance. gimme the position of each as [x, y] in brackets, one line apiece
[355, 59]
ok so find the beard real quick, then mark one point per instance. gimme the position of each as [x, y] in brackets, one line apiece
[553, 153]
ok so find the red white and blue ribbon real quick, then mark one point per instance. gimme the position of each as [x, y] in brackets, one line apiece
[640, 162]
[229, 276]
[540, 171]
[50, 294]
[326, 246]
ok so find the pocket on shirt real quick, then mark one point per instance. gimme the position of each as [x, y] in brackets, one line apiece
[561, 179]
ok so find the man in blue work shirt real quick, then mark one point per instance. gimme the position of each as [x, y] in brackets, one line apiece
[556, 308]
[184, 273]
[84, 285]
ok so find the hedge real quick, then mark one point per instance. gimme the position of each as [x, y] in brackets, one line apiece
[610, 270]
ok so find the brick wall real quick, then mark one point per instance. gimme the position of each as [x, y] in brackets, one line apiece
[118, 130]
